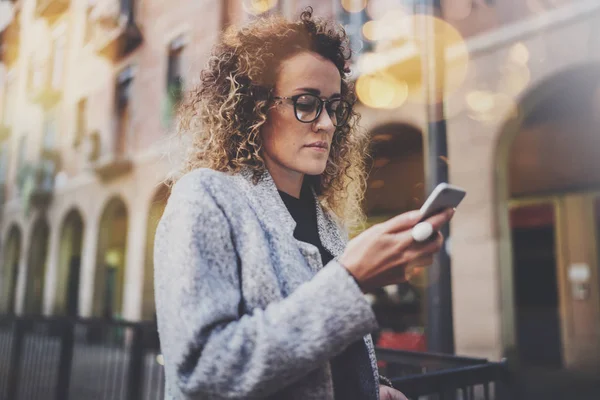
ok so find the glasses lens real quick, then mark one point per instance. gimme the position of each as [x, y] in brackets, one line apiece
[339, 111]
[306, 107]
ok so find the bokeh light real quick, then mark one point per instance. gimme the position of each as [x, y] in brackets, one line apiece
[490, 107]
[480, 101]
[519, 54]
[514, 80]
[397, 61]
[388, 28]
[381, 90]
[257, 7]
[379, 9]
[457, 9]
[354, 6]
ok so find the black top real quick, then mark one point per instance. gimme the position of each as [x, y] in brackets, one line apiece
[348, 381]
[304, 212]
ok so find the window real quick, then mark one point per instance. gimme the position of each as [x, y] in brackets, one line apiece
[49, 142]
[81, 123]
[58, 59]
[122, 110]
[21, 152]
[22, 171]
[8, 106]
[4, 153]
[174, 78]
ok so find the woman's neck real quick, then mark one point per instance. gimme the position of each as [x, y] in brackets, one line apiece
[286, 180]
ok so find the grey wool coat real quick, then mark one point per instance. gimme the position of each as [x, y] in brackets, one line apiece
[244, 309]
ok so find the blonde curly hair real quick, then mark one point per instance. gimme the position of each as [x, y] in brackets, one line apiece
[224, 114]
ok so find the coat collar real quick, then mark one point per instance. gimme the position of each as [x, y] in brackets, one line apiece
[271, 209]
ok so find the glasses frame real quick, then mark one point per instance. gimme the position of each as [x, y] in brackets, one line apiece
[323, 103]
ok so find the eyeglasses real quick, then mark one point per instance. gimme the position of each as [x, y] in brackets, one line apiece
[308, 107]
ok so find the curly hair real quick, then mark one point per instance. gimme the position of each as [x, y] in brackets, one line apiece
[224, 114]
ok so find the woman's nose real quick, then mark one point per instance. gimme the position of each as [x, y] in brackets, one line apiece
[324, 121]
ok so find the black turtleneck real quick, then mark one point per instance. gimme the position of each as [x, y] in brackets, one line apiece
[304, 212]
[348, 382]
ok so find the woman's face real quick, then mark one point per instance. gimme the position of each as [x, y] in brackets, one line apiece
[290, 147]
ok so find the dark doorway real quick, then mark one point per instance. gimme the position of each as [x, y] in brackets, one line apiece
[536, 287]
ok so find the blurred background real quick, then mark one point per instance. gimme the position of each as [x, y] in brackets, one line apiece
[88, 90]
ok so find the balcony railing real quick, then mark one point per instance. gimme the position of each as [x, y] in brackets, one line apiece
[51, 10]
[116, 33]
[125, 356]
[113, 166]
[69, 358]
[438, 376]
[36, 180]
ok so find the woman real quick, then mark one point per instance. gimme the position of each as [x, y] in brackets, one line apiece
[258, 292]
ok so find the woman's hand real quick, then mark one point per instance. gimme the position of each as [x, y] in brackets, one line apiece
[388, 393]
[379, 255]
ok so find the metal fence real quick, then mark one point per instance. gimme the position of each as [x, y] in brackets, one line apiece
[71, 359]
[443, 377]
[94, 359]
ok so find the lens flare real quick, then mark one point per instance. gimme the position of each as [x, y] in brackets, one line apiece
[381, 90]
[257, 7]
[514, 80]
[354, 6]
[449, 44]
[519, 54]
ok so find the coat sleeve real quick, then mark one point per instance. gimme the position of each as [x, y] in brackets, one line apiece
[212, 351]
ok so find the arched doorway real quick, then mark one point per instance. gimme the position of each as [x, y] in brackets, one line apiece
[110, 262]
[395, 185]
[10, 270]
[36, 268]
[157, 207]
[548, 185]
[69, 263]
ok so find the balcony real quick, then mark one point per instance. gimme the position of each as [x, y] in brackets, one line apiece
[107, 167]
[36, 180]
[112, 167]
[10, 41]
[116, 33]
[51, 10]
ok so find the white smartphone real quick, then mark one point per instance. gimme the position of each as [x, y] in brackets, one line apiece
[443, 196]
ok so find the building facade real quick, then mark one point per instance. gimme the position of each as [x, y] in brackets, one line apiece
[87, 93]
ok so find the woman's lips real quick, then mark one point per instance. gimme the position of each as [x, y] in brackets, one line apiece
[319, 146]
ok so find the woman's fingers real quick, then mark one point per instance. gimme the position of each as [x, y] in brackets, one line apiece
[440, 219]
[402, 222]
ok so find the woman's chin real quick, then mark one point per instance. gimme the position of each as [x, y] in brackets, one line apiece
[316, 169]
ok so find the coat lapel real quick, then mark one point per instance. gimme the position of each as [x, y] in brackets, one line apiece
[273, 214]
[272, 211]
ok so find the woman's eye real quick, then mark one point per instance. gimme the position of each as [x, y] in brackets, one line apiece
[305, 105]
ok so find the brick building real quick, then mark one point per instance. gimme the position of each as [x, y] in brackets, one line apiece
[86, 96]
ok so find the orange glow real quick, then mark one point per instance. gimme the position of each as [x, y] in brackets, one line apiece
[257, 7]
[381, 90]
[354, 6]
